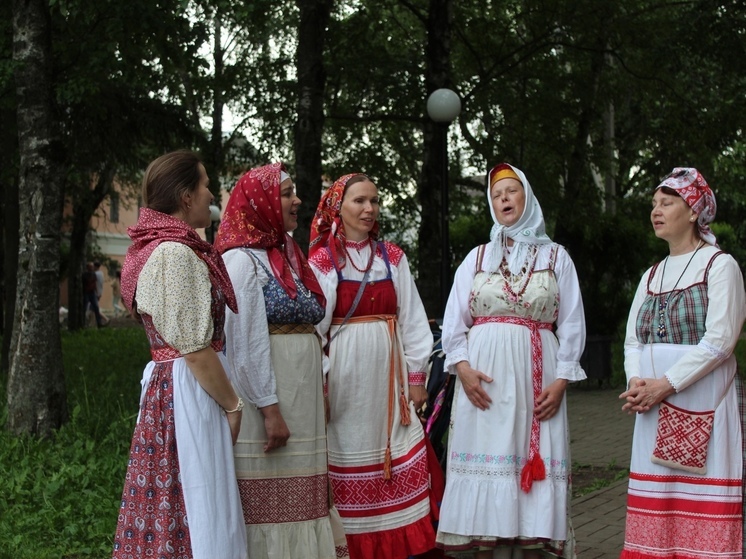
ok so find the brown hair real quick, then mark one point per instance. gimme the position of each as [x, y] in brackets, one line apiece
[168, 178]
[668, 190]
[355, 179]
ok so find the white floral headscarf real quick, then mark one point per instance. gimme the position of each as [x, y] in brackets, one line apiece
[693, 188]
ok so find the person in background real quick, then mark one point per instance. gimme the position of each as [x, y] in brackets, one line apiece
[180, 496]
[116, 295]
[99, 279]
[685, 496]
[90, 296]
[276, 364]
[383, 472]
[513, 333]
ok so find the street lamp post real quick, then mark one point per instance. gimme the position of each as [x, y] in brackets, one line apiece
[443, 106]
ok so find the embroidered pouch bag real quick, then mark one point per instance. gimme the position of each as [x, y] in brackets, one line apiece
[682, 438]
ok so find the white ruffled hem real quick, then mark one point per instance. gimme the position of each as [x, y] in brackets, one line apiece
[499, 508]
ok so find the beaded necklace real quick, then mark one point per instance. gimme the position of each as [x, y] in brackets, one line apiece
[370, 261]
[663, 304]
[524, 276]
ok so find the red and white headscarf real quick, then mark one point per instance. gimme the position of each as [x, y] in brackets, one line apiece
[154, 228]
[693, 188]
[327, 228]
[253, 219]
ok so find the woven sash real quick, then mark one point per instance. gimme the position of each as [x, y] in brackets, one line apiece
[395, 368]
[534, 469]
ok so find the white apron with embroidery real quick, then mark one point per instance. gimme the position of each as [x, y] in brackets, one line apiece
[488, 448]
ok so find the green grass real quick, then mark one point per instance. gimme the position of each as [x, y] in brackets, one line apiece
[59, 497]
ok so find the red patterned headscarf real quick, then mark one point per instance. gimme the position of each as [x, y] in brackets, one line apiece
[253, 219]
[154, 228]
[693, 188]
[327, 228]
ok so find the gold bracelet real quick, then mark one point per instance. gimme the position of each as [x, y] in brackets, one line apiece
[239, 407]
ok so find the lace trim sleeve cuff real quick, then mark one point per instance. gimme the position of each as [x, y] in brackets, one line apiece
[570, 370]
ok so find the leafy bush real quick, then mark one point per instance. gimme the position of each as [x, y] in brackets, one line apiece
[59, 497]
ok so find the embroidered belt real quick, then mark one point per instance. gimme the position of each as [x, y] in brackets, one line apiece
[305, 328]
[395, 366]
[534, 469]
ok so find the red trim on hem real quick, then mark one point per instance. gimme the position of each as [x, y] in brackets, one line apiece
[677, 506]
[685, 479]
[413, 539]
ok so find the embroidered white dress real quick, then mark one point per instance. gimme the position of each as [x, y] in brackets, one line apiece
[673, 513]
[383, 519]
[484, 505]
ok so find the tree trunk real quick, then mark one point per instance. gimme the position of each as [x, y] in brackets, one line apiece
[10, 225]
[215, 159]
[84, 209]
[437, 75]
[36, 387]
[314, 16]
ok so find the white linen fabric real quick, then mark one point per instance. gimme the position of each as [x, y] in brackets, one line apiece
[488, 448]
[284, 369]
[378, 515]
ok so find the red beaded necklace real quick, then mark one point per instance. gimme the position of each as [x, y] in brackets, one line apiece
[523, 277]
[370, 262]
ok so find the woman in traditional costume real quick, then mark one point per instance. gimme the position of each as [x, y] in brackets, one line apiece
[686, 478]
[378, 341]
[513, 332]
[180, 497]
[275, 360]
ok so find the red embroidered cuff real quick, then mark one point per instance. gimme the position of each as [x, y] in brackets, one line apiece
[417, 378]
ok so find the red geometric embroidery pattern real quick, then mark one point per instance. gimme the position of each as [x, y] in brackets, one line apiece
[364, 492]
[342, 551]
[683, 436]
[395, 253]
[278, 500]
[676, 535]
[322, 261]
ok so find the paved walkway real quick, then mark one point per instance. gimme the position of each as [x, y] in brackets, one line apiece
[600, 435]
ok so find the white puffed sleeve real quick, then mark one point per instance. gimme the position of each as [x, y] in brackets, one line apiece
[570, 319]
[174, 288]
[457, 319]
[328, 282]
[417, 338]
[247, 333]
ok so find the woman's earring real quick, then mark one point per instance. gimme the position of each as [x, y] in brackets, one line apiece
[692, 218]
